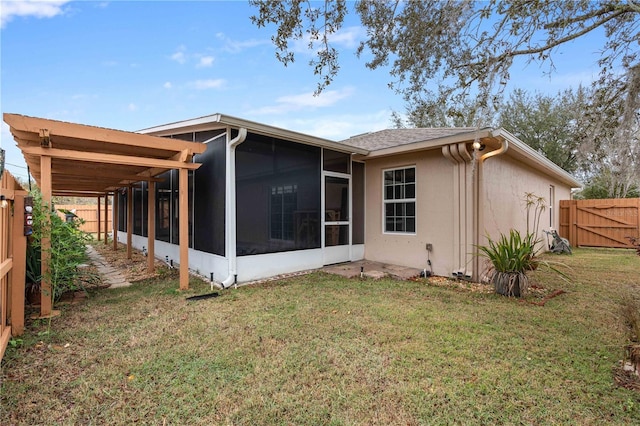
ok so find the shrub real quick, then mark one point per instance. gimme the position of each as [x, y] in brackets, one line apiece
[67, 251]
[511, 257]
[635, 242]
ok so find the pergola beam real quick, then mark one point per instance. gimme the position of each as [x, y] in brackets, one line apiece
[94, 157]
[99, 134]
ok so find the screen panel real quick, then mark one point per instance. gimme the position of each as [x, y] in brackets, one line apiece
[278, 196]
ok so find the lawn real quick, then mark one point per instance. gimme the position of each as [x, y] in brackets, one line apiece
[320, 349]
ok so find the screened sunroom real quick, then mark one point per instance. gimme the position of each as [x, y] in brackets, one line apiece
[265, 201]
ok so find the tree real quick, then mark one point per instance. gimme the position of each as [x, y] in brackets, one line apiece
[552, 125]
[447, 52]
[428, 113]
[443, 52]
[605, 185]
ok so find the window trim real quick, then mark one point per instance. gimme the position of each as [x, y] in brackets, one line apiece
[402, 200]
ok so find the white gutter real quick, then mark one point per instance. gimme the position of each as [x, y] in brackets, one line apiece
[231, 206]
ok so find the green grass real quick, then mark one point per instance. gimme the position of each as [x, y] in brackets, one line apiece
[320, 349]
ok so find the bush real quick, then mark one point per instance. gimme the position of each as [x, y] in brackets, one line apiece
[635, 242]
[511, 257]
[68, 249]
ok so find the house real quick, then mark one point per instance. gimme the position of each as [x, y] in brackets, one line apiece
[259, 201]
[266, 201]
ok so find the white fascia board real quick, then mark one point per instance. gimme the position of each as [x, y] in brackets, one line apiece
[186, 125]
[537, 160]
[216, 121]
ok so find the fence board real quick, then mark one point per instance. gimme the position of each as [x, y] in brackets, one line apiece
[12, 258]
[89, 213]
[600, 223]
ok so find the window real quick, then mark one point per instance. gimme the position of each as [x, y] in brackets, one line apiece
[284, 202]
[400, 200]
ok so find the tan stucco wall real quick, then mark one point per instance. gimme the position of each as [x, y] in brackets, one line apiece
[434, 185]
[505, 182]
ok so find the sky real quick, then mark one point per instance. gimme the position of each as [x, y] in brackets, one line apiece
[130, 65]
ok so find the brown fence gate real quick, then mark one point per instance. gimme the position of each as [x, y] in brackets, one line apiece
[600, 223]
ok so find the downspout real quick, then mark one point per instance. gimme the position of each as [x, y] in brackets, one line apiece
[504, 146]
[231, 206]
[466, 210]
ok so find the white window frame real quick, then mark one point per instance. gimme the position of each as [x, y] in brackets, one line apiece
[413, 200]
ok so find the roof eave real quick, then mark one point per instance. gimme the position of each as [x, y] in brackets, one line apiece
[540, 162]
[220, 121]
[429, 144]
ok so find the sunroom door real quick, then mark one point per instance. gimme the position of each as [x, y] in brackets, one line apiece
[337, 218]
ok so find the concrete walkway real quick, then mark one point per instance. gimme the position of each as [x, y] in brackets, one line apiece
[109, 274]
[370, 269]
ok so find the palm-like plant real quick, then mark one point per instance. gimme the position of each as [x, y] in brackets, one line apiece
[511, 257]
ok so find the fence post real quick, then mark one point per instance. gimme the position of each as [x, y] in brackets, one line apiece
[573, 227]
[18, 272]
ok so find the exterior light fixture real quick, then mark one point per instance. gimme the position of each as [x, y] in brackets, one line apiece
[3, 202]
[477, 146]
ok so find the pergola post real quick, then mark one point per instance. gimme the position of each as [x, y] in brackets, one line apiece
[106, 218]
[151, 226]
[99, 222]
[184, 229]
[116, 225]
[46, 295]
[129, 220]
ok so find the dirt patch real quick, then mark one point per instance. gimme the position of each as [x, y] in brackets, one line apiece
[134, 269]
[463, 285]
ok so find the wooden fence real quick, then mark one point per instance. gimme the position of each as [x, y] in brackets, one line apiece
[13, 249]
[600, 223]
[89, 213]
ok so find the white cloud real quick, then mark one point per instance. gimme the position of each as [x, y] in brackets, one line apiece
[237, 46]
[289, 103]
[346, 38]
[179, 56]
[217, 83]
[205, 61]
[339, 127]
[24, 8]
[167, 85]
[132, 107]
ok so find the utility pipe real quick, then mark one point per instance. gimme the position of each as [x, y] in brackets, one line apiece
[504, 146]
[231, 206]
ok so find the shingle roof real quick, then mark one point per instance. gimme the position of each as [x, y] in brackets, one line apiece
[396, 137]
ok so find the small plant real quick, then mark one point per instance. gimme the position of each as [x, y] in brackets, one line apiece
[635, 242]
[511, 257]
[631, 317]
[539, 205]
